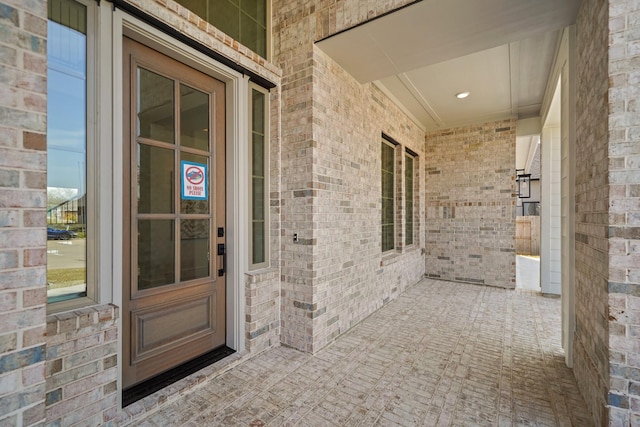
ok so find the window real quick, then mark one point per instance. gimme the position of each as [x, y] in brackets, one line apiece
[67, 144]
[259, 180]
[408, 197]
[242, 20]
[388, 195]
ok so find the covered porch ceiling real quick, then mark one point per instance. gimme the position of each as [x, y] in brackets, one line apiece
[422, 55]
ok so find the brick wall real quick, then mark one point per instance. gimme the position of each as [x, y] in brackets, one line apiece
[292, 29]
[331, 127]
[262, 287]
[81, 368]
[591, 339]
[624, 213]
[22, 211]
[77, 381]
[352, 278]
[470, 197]
[262, 309]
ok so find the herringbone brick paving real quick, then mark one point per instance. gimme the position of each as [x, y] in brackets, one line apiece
[442, 354]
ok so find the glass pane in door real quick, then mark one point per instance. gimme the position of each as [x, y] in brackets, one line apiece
[194, 249]
[156, 253]
[156, 179]
[194, 118]
[155, 106]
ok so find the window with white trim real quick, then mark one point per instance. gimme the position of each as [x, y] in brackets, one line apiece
[70, 71]
[259, 183]
[388, 195]
[242, 20]
[409, 187]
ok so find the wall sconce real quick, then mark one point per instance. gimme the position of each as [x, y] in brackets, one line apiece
[524, 184]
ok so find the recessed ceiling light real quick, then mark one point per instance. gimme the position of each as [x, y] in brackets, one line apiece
[462, 95]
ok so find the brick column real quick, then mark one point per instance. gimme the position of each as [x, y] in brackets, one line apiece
[591, 339]
[623, 398]
[23, 105]
[333, 276]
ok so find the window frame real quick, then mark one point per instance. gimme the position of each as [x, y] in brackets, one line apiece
[268, 41]
[390, 142]
[266, 185]
[92, 142]
[408, 154]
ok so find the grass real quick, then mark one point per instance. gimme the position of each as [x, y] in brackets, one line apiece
[63, 277]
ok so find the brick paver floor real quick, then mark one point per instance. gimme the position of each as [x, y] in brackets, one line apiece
[442, 354]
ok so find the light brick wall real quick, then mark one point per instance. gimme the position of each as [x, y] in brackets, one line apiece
[291, 31]
[262, 287]
[352, 278]
[591, 339]
[331, 128]
[81, 352]
[81, 368]
[470, 197]
[624, 213]
[22, 211]
[275, 182]
[262, 309]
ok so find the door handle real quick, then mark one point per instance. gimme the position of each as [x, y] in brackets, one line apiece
[222, 251]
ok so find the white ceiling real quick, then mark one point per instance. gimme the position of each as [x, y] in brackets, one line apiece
[423, 54]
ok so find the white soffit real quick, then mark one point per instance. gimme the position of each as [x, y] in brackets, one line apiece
[432, 31]
[423, 54]
[491, 86]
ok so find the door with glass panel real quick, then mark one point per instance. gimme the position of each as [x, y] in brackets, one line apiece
[174, 205]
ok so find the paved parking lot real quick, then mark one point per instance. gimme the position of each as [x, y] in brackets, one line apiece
[442, 354]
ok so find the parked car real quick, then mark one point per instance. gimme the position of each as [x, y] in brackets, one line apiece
[55, 234]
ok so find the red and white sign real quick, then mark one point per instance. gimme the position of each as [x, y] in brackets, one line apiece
[194, 181]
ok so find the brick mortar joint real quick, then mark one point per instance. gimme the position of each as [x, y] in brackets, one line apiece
[78, 313]
[262, 274]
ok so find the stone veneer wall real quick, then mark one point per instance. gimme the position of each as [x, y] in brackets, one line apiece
[331, 131]
[591, 339]
[470, 197]
[624, 212]
[23, 240]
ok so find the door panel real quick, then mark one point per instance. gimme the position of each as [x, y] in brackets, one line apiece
[163, 327]
[174, 281]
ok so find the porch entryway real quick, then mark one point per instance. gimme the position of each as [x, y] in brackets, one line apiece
[174, 209]
[441, 354]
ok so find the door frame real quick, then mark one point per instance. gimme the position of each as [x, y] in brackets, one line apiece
[207, 291]
[563, 76]
[237, 162]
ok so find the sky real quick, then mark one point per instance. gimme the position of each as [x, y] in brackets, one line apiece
[66, 108]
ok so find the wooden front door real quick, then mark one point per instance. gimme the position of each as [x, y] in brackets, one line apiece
[174, 214]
